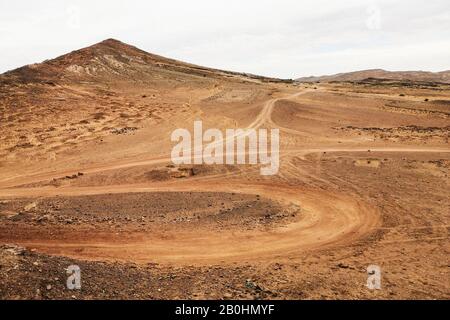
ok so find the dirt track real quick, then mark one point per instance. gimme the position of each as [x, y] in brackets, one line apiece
[363, 179]
[327, 219]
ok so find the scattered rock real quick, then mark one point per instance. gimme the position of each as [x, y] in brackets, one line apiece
[30, 206]
[124, 130]
[13, 249]
[343, 265]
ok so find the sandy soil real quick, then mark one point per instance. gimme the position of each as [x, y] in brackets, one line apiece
[86, 178]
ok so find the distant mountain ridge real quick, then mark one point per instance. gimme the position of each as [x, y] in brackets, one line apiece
[443, 76]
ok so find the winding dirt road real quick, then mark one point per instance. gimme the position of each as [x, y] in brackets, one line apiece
[327, 218]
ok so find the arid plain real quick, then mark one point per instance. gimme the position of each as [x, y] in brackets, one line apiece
[86, 179]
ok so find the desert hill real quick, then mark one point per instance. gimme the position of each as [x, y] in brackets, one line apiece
[87, 179]
[427, 76]
[112, 59]
[103, 89]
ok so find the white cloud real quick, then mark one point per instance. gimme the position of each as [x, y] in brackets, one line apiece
[284, 38]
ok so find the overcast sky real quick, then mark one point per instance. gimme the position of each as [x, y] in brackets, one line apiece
[281, 38]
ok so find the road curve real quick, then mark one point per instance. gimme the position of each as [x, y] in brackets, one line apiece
[327, 217]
